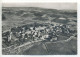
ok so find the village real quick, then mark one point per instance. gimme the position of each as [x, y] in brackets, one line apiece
[34, 32]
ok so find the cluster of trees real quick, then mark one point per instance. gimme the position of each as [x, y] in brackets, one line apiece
[3, 17]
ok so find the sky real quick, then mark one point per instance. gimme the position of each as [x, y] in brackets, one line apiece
[60, 6]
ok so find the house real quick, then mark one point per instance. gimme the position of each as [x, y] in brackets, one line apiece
[10, 37]
[28, 32]
[31, 28]
[54, 39]
[44, 37]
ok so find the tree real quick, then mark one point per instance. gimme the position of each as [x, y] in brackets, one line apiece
[3, 17]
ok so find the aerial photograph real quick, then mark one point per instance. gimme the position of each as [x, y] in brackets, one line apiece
[39, 29]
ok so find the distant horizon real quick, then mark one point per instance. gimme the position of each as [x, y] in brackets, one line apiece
[41, 7]
[58, 6]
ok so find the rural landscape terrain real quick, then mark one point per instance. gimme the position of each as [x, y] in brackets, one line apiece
[38, 31]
